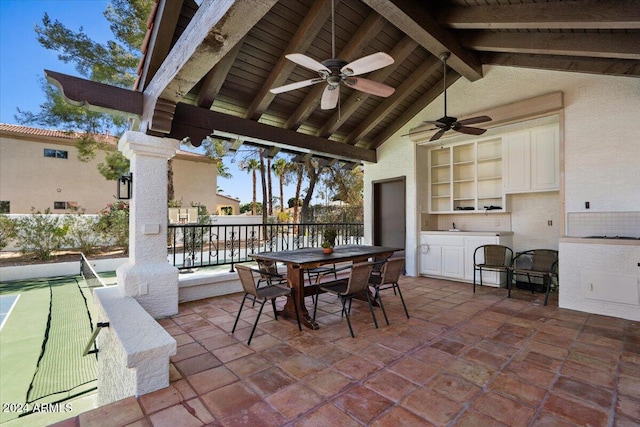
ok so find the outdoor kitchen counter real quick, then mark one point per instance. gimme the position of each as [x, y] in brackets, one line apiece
[600, 241]
[467, 233]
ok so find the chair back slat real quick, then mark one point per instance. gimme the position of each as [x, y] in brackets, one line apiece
[392, 270]
[497, 255]
[359, 278]
[544, 260]
[247, 279]
[268, 269]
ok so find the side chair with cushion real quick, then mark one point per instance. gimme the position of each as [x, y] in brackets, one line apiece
[262, 295]
[540, 263]
[493, 258]
[346, 289]
[388, 279]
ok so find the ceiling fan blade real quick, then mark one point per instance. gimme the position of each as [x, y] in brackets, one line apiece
[307, 62]
[438, 134]
[370, 86]
[330, 97]
[469, 130]
[296, 85]
[474, 120]
[367, 64]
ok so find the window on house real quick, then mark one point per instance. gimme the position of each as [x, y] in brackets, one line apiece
[5, 207]
[59, 154]
[65, 205]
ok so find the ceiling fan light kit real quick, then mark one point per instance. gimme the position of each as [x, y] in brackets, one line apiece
[336, 72]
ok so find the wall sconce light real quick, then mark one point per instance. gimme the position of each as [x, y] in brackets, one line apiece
[125, 189]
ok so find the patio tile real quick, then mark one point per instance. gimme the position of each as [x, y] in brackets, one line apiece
[161, 399]
[357, 367]
[269, 381]
[628, 407]
[454, 387]
[589, 394]
[390, 385]
[362, 403]
[512, 386]
[473, 418]
[432, 406]
[178, 415]
[414, 370]
[575, 412]
[259, 414]
[229, 400]
[122, 412]
[211, 379]
[301, 365]
[232, 352]
[248, 365]
[197, 363]
[327, 415]
[505, 410]
[294, 400]
[328, 382]
[477, 374]
[399, 416]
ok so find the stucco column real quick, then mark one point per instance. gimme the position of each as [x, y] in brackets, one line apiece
[148, 277]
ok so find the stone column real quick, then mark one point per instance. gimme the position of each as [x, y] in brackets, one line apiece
[148, 277]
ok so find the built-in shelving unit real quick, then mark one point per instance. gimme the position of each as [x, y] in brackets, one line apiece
[467, 177]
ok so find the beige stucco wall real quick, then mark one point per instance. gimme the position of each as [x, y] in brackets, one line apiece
[28, 179]
[195, 182]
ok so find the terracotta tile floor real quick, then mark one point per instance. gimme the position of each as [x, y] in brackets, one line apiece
[461, 359]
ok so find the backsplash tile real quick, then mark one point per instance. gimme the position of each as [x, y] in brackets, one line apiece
[582, 224]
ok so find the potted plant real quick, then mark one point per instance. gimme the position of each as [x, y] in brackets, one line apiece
[329, 240]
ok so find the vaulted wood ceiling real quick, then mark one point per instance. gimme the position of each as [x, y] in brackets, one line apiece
[210, 66]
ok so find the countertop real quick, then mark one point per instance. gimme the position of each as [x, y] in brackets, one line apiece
[468, 233]
[584, 240]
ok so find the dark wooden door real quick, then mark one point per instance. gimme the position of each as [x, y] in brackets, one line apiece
[389, 213]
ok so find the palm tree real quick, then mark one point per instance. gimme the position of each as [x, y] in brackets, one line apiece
[280, 167]
[251, 166]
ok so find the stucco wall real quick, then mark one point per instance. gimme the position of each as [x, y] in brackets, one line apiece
[601, 137]
[28, 179]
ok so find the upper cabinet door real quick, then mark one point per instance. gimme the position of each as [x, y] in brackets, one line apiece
[517, 162]
[531, 160]
[545, 153]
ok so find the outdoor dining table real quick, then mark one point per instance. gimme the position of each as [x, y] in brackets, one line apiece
[299, 260]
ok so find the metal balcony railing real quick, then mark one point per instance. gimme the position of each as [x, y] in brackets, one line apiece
[203, 245]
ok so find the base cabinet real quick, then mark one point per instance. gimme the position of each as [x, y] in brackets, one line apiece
[451, 256]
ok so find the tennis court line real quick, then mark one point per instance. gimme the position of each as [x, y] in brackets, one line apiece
[5, 315]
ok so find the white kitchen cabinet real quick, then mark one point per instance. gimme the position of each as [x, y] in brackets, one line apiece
[450, 255]
[531, 160]
[441, 256]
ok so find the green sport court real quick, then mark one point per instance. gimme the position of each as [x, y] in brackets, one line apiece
[45, 325]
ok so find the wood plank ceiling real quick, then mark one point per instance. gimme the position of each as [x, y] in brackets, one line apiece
[210, 66]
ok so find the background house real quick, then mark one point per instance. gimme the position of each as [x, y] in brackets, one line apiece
[40, 168]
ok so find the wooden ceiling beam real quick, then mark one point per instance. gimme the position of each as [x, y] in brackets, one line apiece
[197, 123]
[604, 66]
[399, 53]
[408, 86]
[215, 29]
[586, 14]
[96, 96]
[413, 18]
[300, 42]
[354, 47]
[215, 78]
[420, 104]
[164, 26]
[601, 45]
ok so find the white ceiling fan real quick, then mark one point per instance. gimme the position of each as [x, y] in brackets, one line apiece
[336, 71]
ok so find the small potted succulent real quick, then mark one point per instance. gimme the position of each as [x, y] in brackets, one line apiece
[329, 240]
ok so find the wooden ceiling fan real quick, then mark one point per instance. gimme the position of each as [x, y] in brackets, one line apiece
[336, 72]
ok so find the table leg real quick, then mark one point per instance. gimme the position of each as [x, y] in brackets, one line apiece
[296, 281]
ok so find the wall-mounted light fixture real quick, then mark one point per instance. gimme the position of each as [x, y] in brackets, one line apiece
[125, 190]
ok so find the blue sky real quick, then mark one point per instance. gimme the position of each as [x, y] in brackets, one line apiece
[23, 59]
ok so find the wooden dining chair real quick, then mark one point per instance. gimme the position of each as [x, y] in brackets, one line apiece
[388, 278]
[346, 289]
[262, 295]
